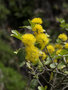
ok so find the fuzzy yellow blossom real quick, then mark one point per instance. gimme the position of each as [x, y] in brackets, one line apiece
[63, 37]
[28, 39]
[55, 60]
[43, 56]
[38, 28]
[42, 39]
[58, 51]
[37, 20]
[32, 54]
[50, 48]
[58, 46]
[66, 45]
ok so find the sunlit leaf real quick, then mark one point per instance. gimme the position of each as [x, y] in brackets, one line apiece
[28, 27]
[66, 72]
[48, 61]
[42, 88]
[61, 20]
[32, 24]
[53, 65]
[58, 41]
[28, 65]
[61, 65]
[16, 34]
[22, 64]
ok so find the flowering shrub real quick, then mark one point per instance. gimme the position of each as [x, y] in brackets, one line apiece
[43, 56]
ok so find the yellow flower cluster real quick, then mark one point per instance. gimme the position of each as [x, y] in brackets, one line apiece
[50, 49]
[43, 56]
[38, 28]
[37, 20]
[42, 39]
[63, 37]
[58, 46]
[58, 51]
[28, 39]
[66, 45]
[32, 54]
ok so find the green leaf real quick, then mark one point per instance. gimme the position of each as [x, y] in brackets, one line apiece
[66, 72]
[16, 34]
[61, 20]
[28, 27]
[28, 65]
[42, 88]
[16, 52]
[45, 88]
[22, 64]
[66, 27]
[21, 55]
[64, 52]
[32, 24]
[53, 65]
[63, 25]
[40, 64]
[61, 65]
[51, 76]
[58, 41]
[33, 83]
[48, 61]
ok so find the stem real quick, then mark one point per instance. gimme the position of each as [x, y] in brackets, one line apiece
[39, 82]
[54, 80]
[47, 81]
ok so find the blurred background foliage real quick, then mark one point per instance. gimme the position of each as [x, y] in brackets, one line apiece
[15, 13]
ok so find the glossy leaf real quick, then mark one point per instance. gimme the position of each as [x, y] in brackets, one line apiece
[61, 65]
[16, 34]
[48, 61]
[53, 65]
[28, 27]
[42, 88]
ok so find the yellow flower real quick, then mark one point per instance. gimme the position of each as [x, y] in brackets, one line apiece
[55, 60]
[63, 37]
[37, 20]
[58, 51]
[42, 39]
[66, 45]
[43, 56]
[38, 28]
[32, 54]
[50, 48]
[58, 46]
[28, 39]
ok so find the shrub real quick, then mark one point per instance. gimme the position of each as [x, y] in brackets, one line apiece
[44, 56]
